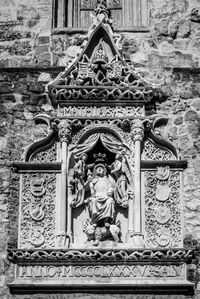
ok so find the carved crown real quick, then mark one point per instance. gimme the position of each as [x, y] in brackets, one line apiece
[99, 158]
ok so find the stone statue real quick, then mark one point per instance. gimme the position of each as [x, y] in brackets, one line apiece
[101, 187]
[79, 173]
[101, 202]
[124, 180]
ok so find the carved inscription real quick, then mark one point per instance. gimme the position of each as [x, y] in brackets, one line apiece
[101, 111]
[124, 271]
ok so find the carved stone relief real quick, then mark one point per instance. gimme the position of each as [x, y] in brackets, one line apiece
[37, 225]
[101, 185]
[46, 155]
[163, 208]
[106, 111]
[153, 152]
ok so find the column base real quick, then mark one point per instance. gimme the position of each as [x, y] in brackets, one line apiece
[63, 240]
[135, 239]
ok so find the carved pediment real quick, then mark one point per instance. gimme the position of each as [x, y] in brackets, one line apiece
[101, 75]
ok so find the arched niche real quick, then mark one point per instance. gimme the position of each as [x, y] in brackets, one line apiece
[100, 141]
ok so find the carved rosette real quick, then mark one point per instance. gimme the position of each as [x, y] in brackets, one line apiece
[37, 224]
[137, 130]
[163, 208]
[65, 131]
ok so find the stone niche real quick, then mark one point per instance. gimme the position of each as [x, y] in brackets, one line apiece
[100, 196]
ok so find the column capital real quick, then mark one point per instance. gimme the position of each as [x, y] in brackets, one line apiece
[137, 130]
[65, 131]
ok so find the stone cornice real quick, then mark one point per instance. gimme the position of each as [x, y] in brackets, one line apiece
[174, 164]
[23, 167]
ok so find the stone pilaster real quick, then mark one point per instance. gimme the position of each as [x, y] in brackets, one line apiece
[64, 209]
[137, 134]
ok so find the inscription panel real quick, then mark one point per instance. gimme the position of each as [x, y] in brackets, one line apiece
[101, 271]
[101, 112]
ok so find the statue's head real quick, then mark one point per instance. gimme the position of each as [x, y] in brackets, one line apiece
[118, 156]
[99, 170]
[84, 157]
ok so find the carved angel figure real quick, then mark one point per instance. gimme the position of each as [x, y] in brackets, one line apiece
[124, 181]
[79, 175]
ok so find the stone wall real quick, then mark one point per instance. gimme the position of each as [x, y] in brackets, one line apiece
[172, 41]
[169, 55]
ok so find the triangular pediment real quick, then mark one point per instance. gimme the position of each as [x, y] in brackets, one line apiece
[99, 75]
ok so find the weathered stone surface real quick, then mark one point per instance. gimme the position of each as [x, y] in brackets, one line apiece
[184, 29]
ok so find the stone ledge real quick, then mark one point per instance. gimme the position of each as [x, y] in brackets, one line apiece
[138, 286]
[24, 167]
[68, 30]
[184, 69]
[175, 164]
[32, 69]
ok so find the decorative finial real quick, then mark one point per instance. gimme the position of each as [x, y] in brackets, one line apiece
[102, 7]
[102, 12]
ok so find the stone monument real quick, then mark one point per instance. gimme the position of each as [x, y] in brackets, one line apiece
[100, 196]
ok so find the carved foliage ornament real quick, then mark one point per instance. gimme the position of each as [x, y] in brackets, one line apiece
[163, 208]
[100, 255]
[37, 223]
[153, 152]
[48, 155]
[97, 79]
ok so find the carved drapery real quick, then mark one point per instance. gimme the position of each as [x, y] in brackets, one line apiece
[108, 140]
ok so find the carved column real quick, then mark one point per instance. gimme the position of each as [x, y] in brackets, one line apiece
[64, 214]
[137, 133]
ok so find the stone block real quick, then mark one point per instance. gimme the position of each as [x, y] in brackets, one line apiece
[181, 44]
[36, 88]
[43, 40]
[42, 49]
[194, 46]
[44, 77]
[6, 87]
[162, 27]
[4, 62]
[196, 103]
[44, 59]
[184, 28]
[173, 29]
[173, 59]
[178, 120]
[191, 116]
